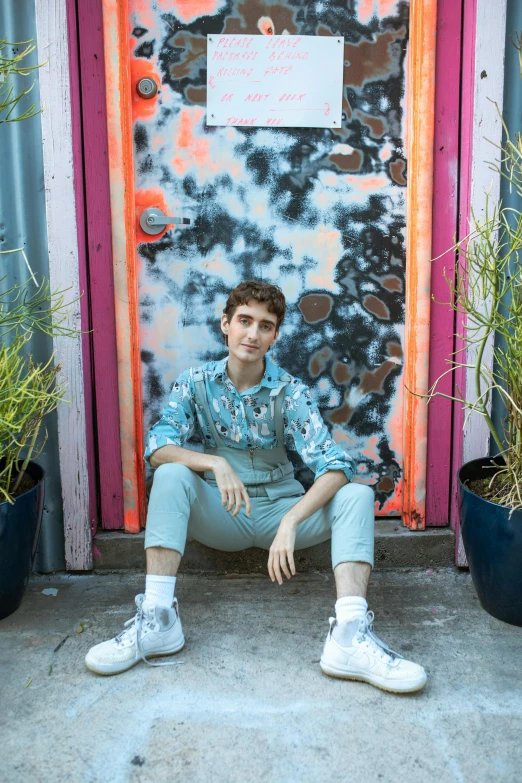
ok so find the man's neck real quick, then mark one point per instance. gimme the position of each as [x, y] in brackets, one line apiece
[245, 376]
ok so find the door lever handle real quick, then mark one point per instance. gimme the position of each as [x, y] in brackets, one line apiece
[153, 221]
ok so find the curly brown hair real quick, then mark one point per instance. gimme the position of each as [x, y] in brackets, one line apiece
[267, 293]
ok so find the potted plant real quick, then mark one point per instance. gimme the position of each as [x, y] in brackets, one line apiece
[487, 291]
[28, 389]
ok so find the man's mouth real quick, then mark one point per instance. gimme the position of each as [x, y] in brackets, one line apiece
[252, 347]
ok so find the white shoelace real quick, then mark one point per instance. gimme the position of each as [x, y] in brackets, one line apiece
[367, 636]
[136, 624]
[373, 642]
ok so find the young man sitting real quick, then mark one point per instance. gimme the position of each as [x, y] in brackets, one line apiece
[249, 412]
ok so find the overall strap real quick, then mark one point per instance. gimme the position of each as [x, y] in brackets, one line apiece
[202, 401]
[278, 417]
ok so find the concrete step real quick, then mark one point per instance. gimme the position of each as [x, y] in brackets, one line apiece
[395, 546]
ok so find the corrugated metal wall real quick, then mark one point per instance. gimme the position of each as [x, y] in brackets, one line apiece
[23, 224]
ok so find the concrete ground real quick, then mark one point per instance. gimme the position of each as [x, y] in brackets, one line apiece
[249, 702]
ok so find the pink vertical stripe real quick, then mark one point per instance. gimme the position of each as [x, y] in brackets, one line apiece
[88, 38]
[466, 152]
[445, 216]
[76, 121]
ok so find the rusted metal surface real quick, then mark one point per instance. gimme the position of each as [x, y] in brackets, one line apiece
[421, 84]
[115, 26]
[321, 212]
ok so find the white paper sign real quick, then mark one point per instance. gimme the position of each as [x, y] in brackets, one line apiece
[292, 81]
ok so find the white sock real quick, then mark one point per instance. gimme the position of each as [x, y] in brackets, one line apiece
[159, 590]
[350, 607]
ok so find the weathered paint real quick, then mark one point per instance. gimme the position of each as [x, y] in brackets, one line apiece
[91, 177]
[83, 278]
[469, 28]
[483, 81]
[320, 212]
[64, 275]
[445, 215]
[487, 131]
[119, 121]
[419, 226]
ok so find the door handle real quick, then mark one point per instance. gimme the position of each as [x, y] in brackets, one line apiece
[153, 221]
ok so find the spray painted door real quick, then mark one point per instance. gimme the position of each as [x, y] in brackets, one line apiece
[321, 212]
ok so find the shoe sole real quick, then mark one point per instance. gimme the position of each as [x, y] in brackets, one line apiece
[119, 668]
[406, 687]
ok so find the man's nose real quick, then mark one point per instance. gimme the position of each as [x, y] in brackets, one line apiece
[253, 332]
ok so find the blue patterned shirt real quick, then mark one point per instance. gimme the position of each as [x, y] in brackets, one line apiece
[246, 419]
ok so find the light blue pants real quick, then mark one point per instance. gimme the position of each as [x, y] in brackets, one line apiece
[181, 502]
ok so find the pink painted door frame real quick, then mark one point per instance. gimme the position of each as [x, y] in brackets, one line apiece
[443, 438]
[445, 223]
[453, 149]
[95, 254]
[119, 92]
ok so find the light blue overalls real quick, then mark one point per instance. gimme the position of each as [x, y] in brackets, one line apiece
[182, 502]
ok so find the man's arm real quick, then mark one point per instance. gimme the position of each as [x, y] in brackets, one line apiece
[195, 460]
[333, 469]
[232, 489]
[281, 556]
[321, 491]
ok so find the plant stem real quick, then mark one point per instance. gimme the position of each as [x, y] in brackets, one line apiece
[27, 458]
[478, 365]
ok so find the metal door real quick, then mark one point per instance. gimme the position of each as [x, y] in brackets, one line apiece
[319, 211]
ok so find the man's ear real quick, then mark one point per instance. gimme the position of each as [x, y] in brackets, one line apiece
[276, 337]
[224, 324]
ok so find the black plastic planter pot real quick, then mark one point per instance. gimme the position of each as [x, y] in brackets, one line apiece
[493, 545]
[19, 531]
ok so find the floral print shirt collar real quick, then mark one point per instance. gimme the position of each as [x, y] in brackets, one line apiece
[273, 378]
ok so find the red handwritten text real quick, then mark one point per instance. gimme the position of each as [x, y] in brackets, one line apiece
[278, 70]
[252, 97]
[247, 72]
[241, 120]
[274, 121]
[289, 97]
[233, 57]
[227, 97]
[285, 42]
[275, 57]
[235, 43]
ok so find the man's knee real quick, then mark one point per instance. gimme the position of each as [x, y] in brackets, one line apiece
[361, 494]
[171, 479]
[171, 472]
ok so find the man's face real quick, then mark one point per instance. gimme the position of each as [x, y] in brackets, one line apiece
[251, 331]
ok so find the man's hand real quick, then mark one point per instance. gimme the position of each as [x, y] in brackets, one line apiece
[281, 556]
[232, 489]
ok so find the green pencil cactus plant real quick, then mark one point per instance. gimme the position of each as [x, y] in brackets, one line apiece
[487, 291]
[28, 389]
[14, 65]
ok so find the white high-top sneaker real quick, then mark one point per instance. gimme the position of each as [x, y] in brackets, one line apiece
[153, 631]
[352, 651]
